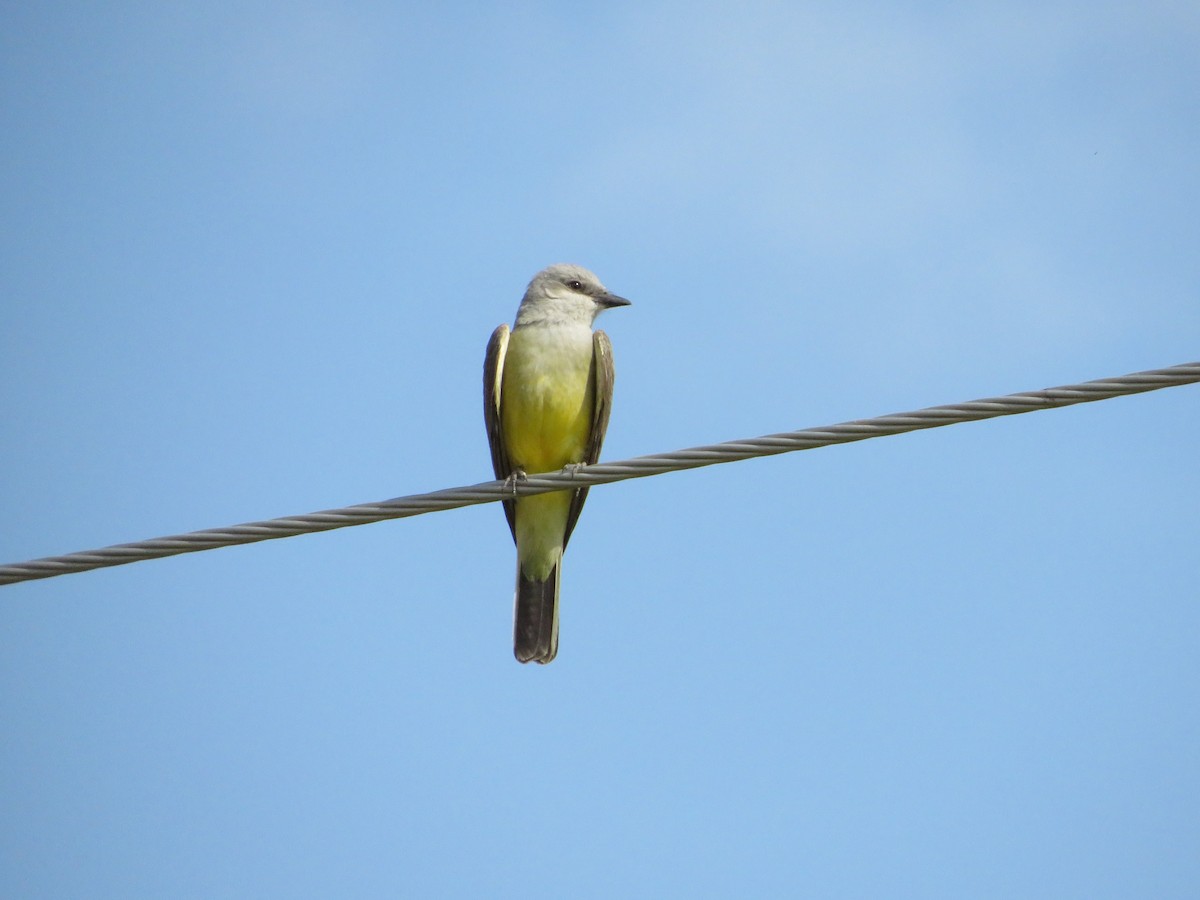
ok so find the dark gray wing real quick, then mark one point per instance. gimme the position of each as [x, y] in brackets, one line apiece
[602, 374]
[493, 377]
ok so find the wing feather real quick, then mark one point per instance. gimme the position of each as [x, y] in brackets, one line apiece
[603, 375]
[493, 379]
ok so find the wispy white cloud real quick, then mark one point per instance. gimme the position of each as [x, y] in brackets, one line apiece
[989, 143]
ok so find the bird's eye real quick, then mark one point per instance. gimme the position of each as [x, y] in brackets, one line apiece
[575, 285]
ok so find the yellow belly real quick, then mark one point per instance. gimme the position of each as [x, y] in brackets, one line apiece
[546, 402]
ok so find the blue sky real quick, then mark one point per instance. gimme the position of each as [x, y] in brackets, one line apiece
[251, 257]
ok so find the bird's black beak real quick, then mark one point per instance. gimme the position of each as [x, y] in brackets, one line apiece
[608, 301]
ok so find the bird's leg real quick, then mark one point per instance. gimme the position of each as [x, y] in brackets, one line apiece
[510, 483]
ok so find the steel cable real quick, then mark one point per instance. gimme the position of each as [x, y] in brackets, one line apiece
[604, 473]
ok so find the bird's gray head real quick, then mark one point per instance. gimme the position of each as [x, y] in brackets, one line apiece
[565, 294]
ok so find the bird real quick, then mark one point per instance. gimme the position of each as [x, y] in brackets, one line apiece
[547, 392]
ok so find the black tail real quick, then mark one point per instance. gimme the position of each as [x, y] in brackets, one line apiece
[535, 621]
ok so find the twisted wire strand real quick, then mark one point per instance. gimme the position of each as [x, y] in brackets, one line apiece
[605, 473]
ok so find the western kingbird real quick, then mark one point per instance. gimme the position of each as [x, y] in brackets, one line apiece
[547, 390]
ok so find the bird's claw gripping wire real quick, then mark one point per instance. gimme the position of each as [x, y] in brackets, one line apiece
[510, 483]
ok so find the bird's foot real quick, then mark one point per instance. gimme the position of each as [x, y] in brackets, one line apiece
[574, 469]
[510, 483]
